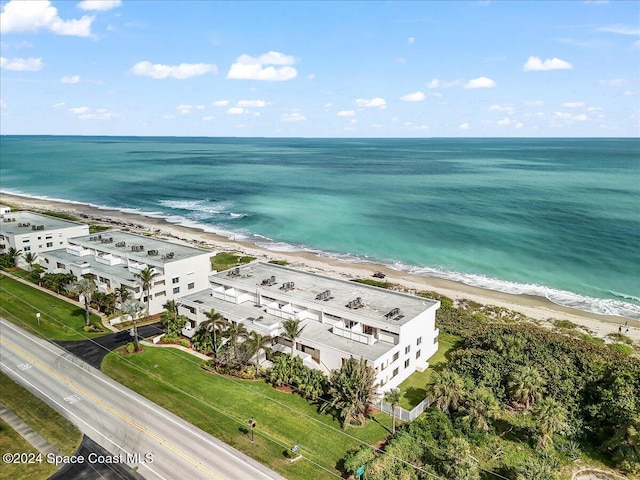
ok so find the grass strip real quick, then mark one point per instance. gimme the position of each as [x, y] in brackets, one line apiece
[222, 406]
[12, 442]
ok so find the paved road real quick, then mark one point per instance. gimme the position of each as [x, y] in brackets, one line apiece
[118, 419]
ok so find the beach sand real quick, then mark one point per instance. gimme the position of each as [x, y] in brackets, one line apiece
[536, 308]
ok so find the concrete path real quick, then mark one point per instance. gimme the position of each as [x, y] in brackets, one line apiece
[27, 432]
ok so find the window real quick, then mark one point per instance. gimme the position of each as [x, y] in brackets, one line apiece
[395, 372]
[407, 349]
[26, 249]
[161, 294]
[406, 363]
[175, 280]
[395, 356]
[46, 261]
[49, 244]
[176, 289]
[25, 240]
[191, 286]
[419, 341]
[48, 237]
[159, 282]
[418, 354]
[39, 238]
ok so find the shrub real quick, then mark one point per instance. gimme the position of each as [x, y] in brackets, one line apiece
[130, 347]
[621, 348]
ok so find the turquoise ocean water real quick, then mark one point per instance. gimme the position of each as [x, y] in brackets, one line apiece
[558, 218]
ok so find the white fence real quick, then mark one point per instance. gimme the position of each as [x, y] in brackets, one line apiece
[401, 413]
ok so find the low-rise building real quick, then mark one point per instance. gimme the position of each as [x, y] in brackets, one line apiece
[115, 257]
[36, 233]
[394, 332]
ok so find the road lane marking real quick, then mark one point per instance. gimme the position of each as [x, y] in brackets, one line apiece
[109, 408]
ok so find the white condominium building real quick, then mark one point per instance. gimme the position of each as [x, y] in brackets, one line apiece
[394, 332]
[115, 257]
[36, 233]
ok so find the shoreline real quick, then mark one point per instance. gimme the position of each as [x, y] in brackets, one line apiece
[536, 308]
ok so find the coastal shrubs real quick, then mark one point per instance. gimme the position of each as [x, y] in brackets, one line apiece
[288, 371]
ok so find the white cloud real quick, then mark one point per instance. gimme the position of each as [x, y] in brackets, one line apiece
[21, 64]
[184, 109]
[311, 76]
[31, 16]
[464, 126]
[413, 97]
[581, 118]
[629, 93]
[346, 113]
[58, 105]
[614, 82]
[2, 104]
[293, 117]
[237, 111]
[480, 82]
[200, 107]
[328, 105]
[376, 102]
[251, 103]
[620, 29]
[573, 104]
[253, 68]
[510, 109]
[533, 103]
[98, 114]
[221, 103]
[100, 5]
[534, 64]
[180, 72]
[410, 40]
[72, 79]
[79, 110]
[504, 121]
[437, 83]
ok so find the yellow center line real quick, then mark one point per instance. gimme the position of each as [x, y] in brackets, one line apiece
[111, 409]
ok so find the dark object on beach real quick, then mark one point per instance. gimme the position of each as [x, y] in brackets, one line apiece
[379, 275]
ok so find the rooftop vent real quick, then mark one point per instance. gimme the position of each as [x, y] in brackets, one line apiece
[234, 273]
[24, 224]
[37, 227]
[326, 295]
[121, 244]
[152, 252]
[286, 286]
[393, 314]
[269, 281]
[355, 304]
[137, 248]
[169, 256]
[106, 240]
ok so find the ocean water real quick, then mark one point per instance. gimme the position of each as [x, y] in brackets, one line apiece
[558, 218]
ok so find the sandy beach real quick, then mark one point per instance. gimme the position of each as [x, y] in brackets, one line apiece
[536, 308]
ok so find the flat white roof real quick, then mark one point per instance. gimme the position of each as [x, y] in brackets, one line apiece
[127, 244]
[377, 303]
[20, 223]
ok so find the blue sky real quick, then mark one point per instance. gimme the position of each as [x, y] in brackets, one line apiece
[321, 69]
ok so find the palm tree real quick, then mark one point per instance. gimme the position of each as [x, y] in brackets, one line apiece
[123, 293]
[14, 254]
[480, 408]
[170, 318]
[392, 397]
[84, 287]
[215, 323]
[235, 333]
[552, 418]
[525, 385]
[448, 390]
[133, 307]
[458, 462]
[256, 343]
[30, 258]
[292, 331]
[146, 277]
[171, 308]
[353, 389]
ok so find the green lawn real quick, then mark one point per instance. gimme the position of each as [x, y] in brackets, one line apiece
[413, 388]
[224, 260]
[12, 442]
[59, 320]
[222, 406]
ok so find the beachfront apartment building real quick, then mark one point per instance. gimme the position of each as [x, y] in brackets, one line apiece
[114, 258]
[36, 233]
[394, 332]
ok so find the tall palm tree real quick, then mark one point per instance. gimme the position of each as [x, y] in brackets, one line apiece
[292, 331]
[458, 462]
[353, 389]
[215, 323]
[480, 408]
[552, 418]
[133, 307]
[448, 390]
[146, 277]
[123, 293]
[30, 258]
[84, 287]
[256, 343]
[392, 397]
[14, 254]
[525, 385]
[235, 332]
